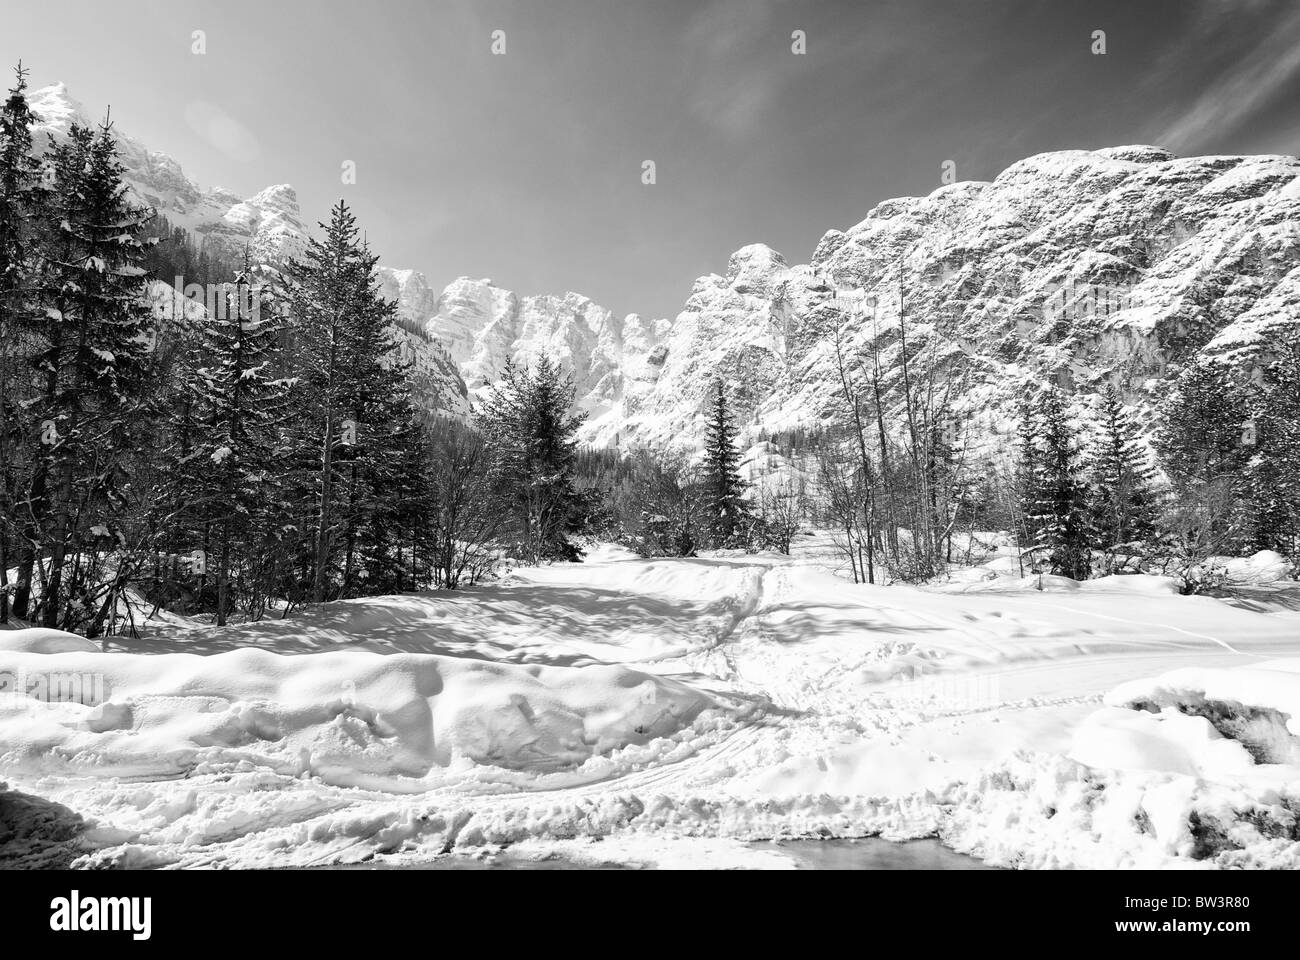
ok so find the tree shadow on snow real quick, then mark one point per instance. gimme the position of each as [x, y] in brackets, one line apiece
[1262, 598]
[522, 623]
[802, 622]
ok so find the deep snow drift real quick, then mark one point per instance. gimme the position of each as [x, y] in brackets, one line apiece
[346, 717]
[669, 709]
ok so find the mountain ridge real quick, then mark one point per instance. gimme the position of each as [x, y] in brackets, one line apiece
[1078, 268]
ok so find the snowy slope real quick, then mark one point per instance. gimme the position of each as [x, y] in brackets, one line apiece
[675, 705]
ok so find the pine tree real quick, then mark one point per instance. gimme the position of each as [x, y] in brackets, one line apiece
[1024, 478]
[1274, 471]
[388, 461]
[1204, 422]
[726, 511]
[21, 199]
[1056, 505]
[91, 368]
[388, 495]
[1205, 440]
[531, 437]
[1123, 499]
[230, 431]
[353, 402]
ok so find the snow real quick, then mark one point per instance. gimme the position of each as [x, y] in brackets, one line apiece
[669, 712]
[45, 640]
[347, 717]
[1267, 566]
[1273, 687]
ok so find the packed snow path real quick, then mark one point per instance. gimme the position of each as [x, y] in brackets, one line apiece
[660, 707]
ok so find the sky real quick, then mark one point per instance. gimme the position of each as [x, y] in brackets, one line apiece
[527, 167]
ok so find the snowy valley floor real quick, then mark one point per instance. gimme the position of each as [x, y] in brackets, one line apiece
[666, 712]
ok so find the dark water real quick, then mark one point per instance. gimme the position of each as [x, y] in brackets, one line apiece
[867, 854]
[875, 854]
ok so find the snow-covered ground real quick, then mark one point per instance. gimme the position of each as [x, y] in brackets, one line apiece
[666, 711]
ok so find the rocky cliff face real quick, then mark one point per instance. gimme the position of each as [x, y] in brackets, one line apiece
[484, 325]
[438, 384]
[269, 223]
[1079, 268]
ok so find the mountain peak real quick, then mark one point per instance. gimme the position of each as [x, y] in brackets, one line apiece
[751, 268]
[55, 106]
[51, 92]
[268, 222]
[281, 198]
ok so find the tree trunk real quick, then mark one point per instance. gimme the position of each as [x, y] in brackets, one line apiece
[325, 516]
[58, 551]
[27, 556]
[223, 574]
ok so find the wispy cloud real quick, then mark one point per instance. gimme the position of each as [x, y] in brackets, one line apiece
[731, 90]
[1250, 84]
[741, 63]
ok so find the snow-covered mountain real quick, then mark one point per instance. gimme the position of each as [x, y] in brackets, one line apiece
[437, 381]
[269, 223]
[609, 357]
[1076, 267]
